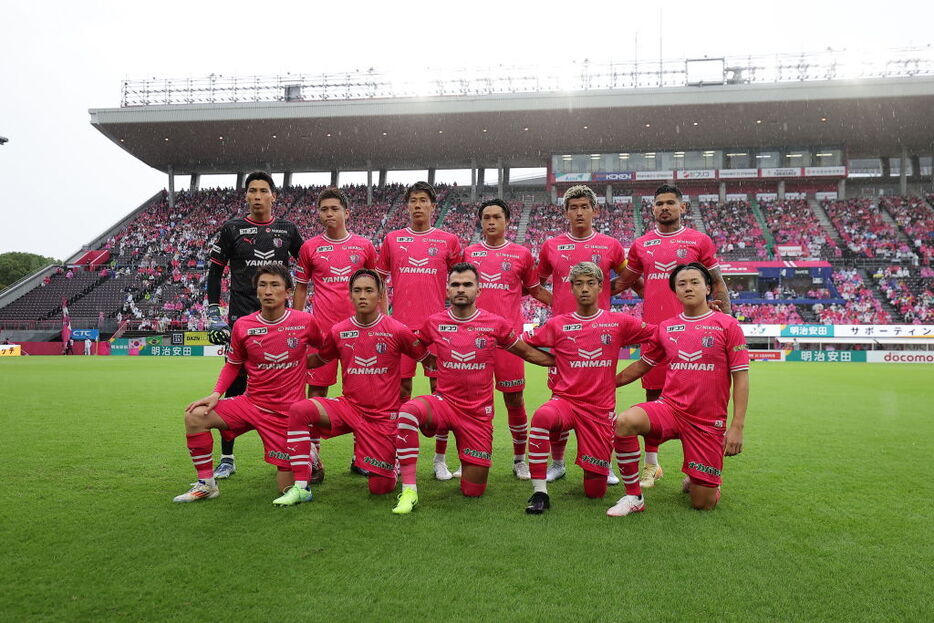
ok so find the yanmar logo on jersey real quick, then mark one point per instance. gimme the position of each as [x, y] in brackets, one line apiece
[419, 267]
[572, 327]
[463, 361]
[674, 328]
[276, 362]
[697, 354]
[652, 243]
[256, 331]
[665, 267]
[447, 328]
[567, 247]
[260, 262]
[264, 255]
[591, 359]
[364, 365]
[346, 335]
[490, 276]
[247, 230]
[327, 247]
[341, 274]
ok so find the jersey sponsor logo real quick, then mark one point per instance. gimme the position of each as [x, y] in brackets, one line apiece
[675, 327]
[567, 247]
[707, 341]
[699, 367]
[377, 463]
[299, 327]
[686, 242]
[697, 354]
[463, 365]
[256, 331]
[572, 327]
[325, 248]
[259, 262]
[247, 230]
[405, 239]
[705, 327]
[274, 454]
[370, 371]
[415, 262]
[589, 354]
[497, 286]
[275, 358]
[478, 254]
[344, 272]
[479, 328]
[477, 454]
[652, 243]
[366, 362]
[593, 363]
[740, 347]
[515, 383]
[279, 231]
[264, 255]
[665, 266]
[349, 334]
[447, 328]
[463, 356]
[595, 461]
[215, 248]
[490, 276]
[707, 469]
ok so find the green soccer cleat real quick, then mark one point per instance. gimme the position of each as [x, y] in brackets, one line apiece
[407, 501]
[294, 495]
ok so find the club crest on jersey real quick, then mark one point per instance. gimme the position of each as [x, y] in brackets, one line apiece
[381, 347]
[355, 259]
[595, 258]
[567, 247]
[606, 339]
[292, 342]
[256, 331]
[674, 327]
[682, 253]
[247, 230]
[349, 334]
[268, 230]
[707, 341]
[433, 251]
[447, 328]
[277, 242]
[480, 342]
[507, 265]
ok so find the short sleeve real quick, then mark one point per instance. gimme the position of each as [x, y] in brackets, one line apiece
[313, 334]
[618, 259]
[369, 256]
[652, 351]
[737, 353]
[542, 336]
[384, 262]
[544, 263]
[410, 344]
[304, 269]
[529, 277]
[425, 334]
[505, 335]
[709, 254]
[455, 254]
[633, 261]
[329, 350]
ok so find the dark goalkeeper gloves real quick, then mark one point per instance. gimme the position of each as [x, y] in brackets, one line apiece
[218, 330]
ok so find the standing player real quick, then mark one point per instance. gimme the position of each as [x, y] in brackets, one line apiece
[579, 244]
[585, 345]
[272, 346]
[327, 261]
[466, 340]
[652, 256]
[506, 269]
[416, 261]
[246, 243]
[706, 352]
[369, 346]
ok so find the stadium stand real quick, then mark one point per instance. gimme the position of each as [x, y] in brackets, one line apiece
[735, 230]
[865, 232]
[793, 223]
[915, 219]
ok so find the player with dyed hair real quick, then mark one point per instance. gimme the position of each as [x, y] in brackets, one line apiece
[651, 257]
[246, 243]
[465, 339]
[416, 261]
[369, 346]
[706, 353]
[586, 345]
[506, 271]
[327, 261]
[272, 346]
[581, 243]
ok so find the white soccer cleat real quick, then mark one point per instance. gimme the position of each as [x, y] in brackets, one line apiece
[627, 505]
[442, 472]
[650, 474]
[521, 470]
[457, 473]
[612, 479]
[199, 491]
[556, 471]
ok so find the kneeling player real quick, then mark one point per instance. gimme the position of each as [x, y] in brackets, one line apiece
[370, 346]
[586, 346]
[466, 339]
[706, 352]
[272, 345]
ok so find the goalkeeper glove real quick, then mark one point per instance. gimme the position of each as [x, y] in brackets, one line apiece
[219, 330]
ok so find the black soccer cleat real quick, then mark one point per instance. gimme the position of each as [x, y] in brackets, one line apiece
[357, 470]
[538, 503]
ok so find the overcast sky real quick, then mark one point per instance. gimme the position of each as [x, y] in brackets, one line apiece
[65, 183]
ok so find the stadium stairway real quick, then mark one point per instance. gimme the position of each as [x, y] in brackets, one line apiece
[639, 226]
[77, 297]
[887, 218]
[877, 292]
[764, 226]
[524, 224]
[829, 229]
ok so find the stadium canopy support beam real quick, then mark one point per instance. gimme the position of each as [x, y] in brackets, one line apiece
[903, 172]
[431, 175]
[382, 177]
[286, 179]
[916, 168]
[841, 188]
[781, 190]
[369, 183]
[195, 182]
[886, 169]
[481, 180]
[171, 186]
[554, 194]
[609, 194]
[240, 177]
[473, 181]
[722, 192]
[500, 179]
[335, 177]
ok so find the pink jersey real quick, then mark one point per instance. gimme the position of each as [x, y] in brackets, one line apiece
[328, 264]
[701, 352]
[586, 351]
[465, 349]
[562, 252]
[274, 354]
[369, 356]
[417, 264]
[504, 271]
[655, 254]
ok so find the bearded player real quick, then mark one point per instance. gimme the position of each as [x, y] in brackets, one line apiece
[416, 261]
[272, 346]
[465, 339]
[369, 346]
[651, 257]
[586, 346]
[581, 243]
[706, 353]
[245, 243]
[506, 270]
[327, 261]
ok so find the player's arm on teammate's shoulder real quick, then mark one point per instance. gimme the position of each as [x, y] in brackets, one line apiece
[719, 295]
[627, 279]
[541, 294]
[634, 371]
[733, 442]
[531, 354]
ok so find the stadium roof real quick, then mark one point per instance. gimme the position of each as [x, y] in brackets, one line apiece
[870, 118]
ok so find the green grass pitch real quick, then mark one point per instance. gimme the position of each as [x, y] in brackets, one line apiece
[827, 515]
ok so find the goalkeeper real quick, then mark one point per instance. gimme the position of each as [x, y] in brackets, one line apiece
[246, 243]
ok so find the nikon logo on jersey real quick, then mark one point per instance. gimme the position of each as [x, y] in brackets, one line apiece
[349, 334]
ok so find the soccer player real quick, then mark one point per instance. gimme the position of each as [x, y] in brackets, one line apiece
[246, 242]
[272, 346]
[652, 257]
[706, 353]
[585, 345]
[327, 261]
[506, 270]
[416, 261]
[579, 244]
[466, 339]
[369, 346]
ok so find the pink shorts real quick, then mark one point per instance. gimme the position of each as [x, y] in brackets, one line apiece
[510, 372]
[407, 366]
[375, 437]
[242, 416]
[474, 437]
[594, 431]
[703, 448]
[325, 376]
[655, 378]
